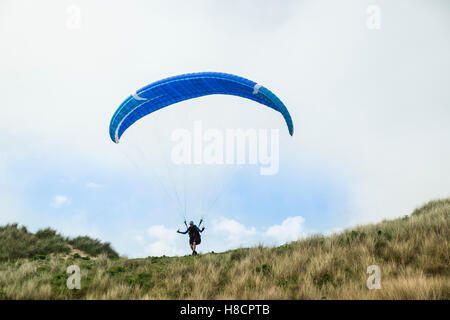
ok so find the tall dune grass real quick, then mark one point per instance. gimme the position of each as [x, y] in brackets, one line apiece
[412, 253]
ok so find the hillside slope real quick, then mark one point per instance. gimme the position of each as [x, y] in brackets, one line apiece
[412, 253]
[16, 243]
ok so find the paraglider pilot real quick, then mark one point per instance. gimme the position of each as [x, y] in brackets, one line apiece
[194, 235]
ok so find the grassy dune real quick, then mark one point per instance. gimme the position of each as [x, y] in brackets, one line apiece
[412, 253]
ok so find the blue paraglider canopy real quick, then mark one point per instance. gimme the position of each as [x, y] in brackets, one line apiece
[168, 91]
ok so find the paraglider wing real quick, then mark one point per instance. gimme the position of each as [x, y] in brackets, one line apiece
[187, 86]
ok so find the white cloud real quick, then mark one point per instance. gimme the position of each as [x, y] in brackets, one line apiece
[59, 201]
[236, 234]
[93, 185]
[162, 247]
[233, 232]
[160, 232]
[290, 229]
[165, 242]
[222, 234]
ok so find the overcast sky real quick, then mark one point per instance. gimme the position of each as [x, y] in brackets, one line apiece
[370, 106]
